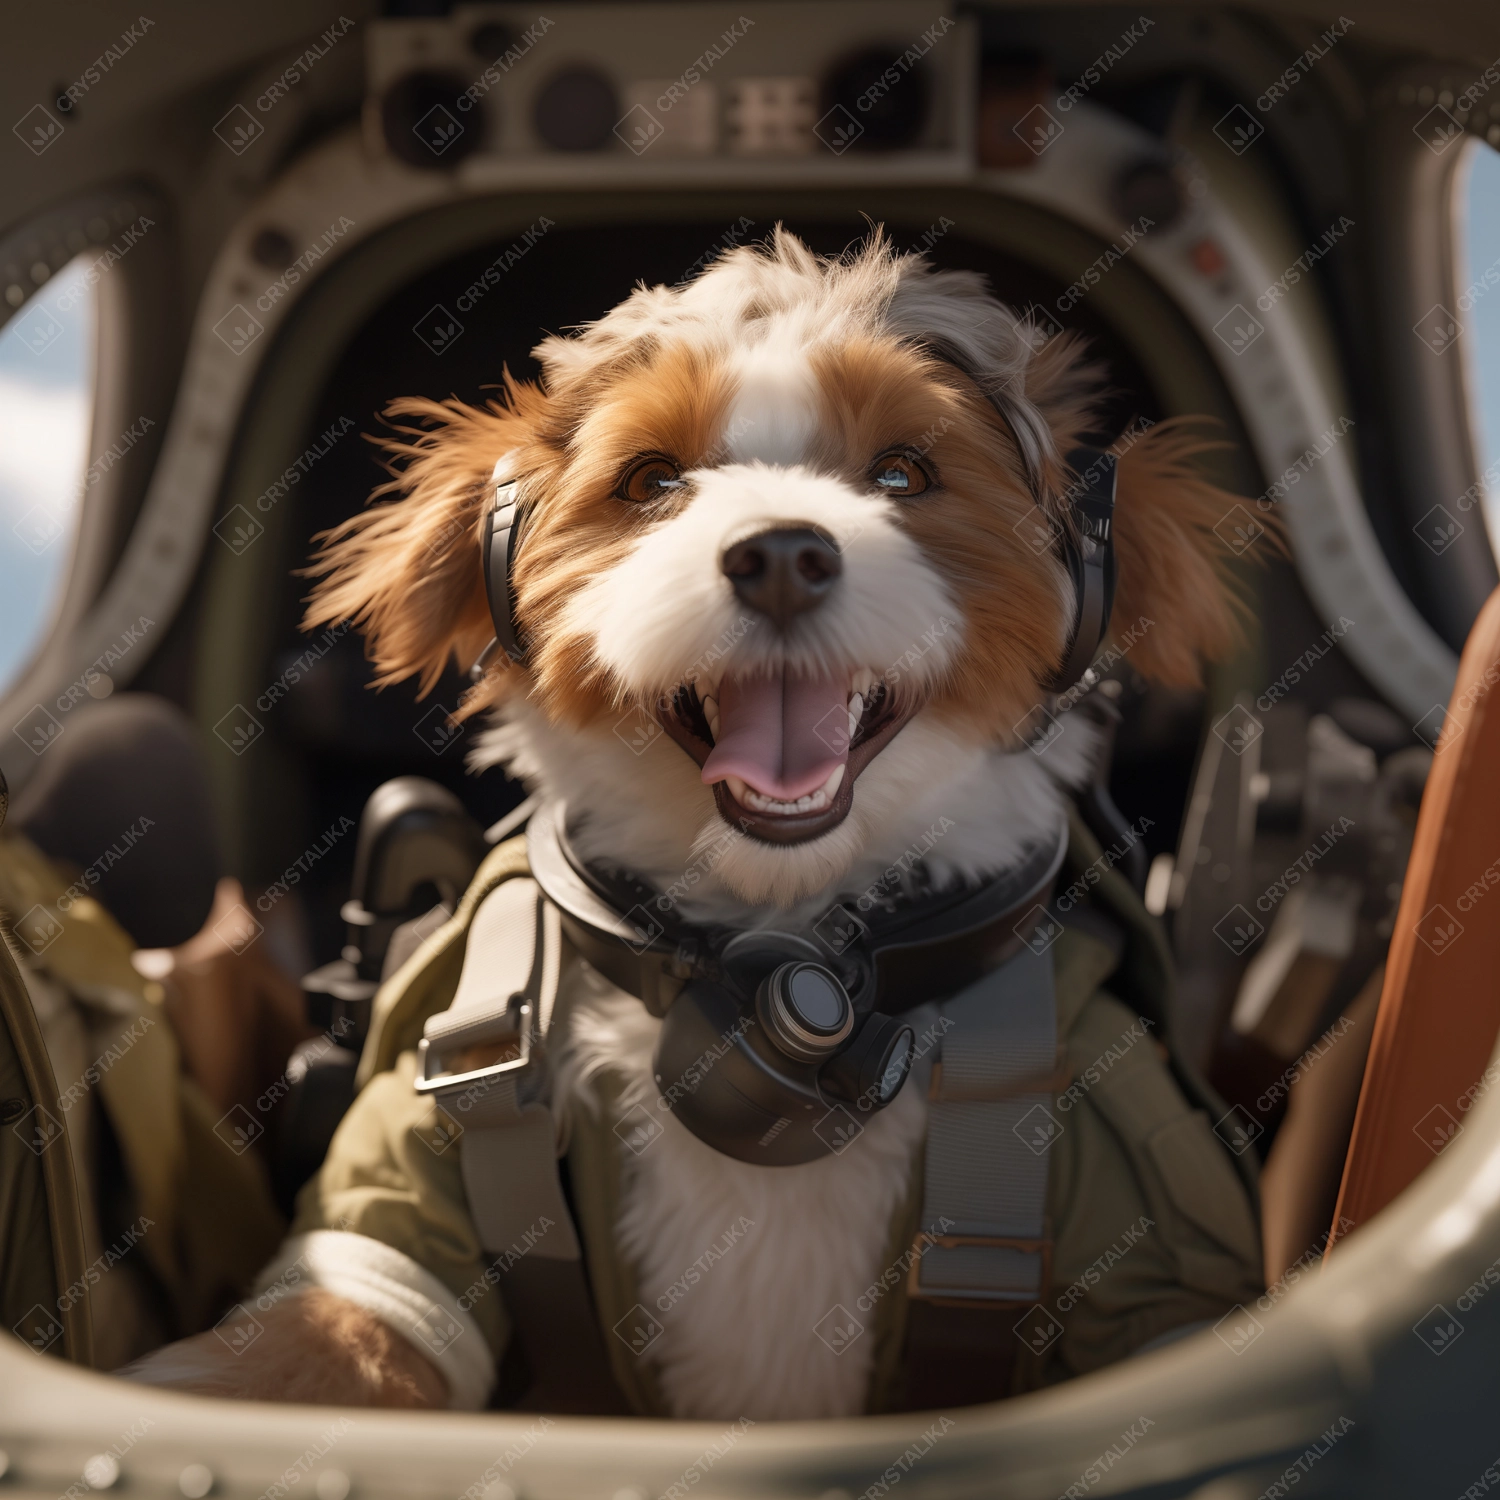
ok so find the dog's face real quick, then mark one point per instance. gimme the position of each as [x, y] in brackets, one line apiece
[789, 512]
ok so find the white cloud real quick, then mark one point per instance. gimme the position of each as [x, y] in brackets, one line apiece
[44, 433]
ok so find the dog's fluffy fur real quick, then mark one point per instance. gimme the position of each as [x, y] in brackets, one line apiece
[773, 382]
[713, 1240]
[315, 1348]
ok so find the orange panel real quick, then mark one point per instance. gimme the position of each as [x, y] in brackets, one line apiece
[1440, 1008]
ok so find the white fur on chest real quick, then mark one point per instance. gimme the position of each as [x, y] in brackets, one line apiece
[743, 1267]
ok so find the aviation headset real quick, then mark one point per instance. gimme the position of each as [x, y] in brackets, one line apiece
[1086, 548]
[792, 1039]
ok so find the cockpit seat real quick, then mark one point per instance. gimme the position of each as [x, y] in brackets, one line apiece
[1439, 1015]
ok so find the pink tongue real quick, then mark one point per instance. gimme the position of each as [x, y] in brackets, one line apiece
[781, 735]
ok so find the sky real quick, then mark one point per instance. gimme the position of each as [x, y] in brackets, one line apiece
[46, 387]
[1481, 240]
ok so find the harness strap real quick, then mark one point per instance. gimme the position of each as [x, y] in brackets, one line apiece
[985, 1247]
[508, 1149]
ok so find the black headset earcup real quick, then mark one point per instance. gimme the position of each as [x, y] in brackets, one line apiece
[502, 529]
[1088, 553]
[718, 1075]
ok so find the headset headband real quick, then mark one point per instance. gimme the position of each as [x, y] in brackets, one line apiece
[1087, 548]
[502, 537]
[1088, 553]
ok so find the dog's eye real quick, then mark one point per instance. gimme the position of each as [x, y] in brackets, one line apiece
[901, 473]
[649, 479]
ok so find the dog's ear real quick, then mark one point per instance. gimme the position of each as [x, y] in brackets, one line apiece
[1176, 603]
[408, 573]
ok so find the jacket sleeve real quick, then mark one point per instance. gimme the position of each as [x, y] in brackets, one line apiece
[392, 1175]
[1154, 1228]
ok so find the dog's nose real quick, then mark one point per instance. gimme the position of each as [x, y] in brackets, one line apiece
[783, 573]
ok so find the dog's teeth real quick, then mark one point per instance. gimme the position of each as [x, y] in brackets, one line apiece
[864, 680]
[711, 713]
[816, 801]
[856, 713]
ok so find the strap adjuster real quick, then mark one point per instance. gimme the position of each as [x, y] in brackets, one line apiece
[437, 1081]
[925, 1244]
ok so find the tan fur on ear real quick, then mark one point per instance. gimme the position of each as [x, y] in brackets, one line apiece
[1173, 565]
[408, 573]
[1065, 384]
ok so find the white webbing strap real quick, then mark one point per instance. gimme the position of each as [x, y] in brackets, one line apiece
[508, 1150]
[989, 1133]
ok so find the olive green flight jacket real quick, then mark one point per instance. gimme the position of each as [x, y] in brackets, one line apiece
[1155, 1225]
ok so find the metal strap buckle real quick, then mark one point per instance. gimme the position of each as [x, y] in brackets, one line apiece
[924, 1244]
[440, 1082]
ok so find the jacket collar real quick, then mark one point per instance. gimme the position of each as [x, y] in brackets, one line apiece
[892, 951]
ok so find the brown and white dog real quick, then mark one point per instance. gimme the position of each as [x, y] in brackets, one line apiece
[791, 493]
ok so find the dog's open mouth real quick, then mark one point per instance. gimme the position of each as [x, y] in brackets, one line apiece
[783, 752]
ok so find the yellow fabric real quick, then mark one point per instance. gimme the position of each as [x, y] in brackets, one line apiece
[42, 1250]
[90, 958]
[213, 1221]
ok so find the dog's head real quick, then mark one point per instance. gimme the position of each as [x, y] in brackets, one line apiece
[787, 512]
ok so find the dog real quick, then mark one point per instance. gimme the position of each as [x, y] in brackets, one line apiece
[790, 492]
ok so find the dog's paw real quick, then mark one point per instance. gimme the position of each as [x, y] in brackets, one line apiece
[315, 1348]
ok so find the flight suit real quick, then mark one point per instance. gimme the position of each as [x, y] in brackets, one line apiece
[1154, 1223]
